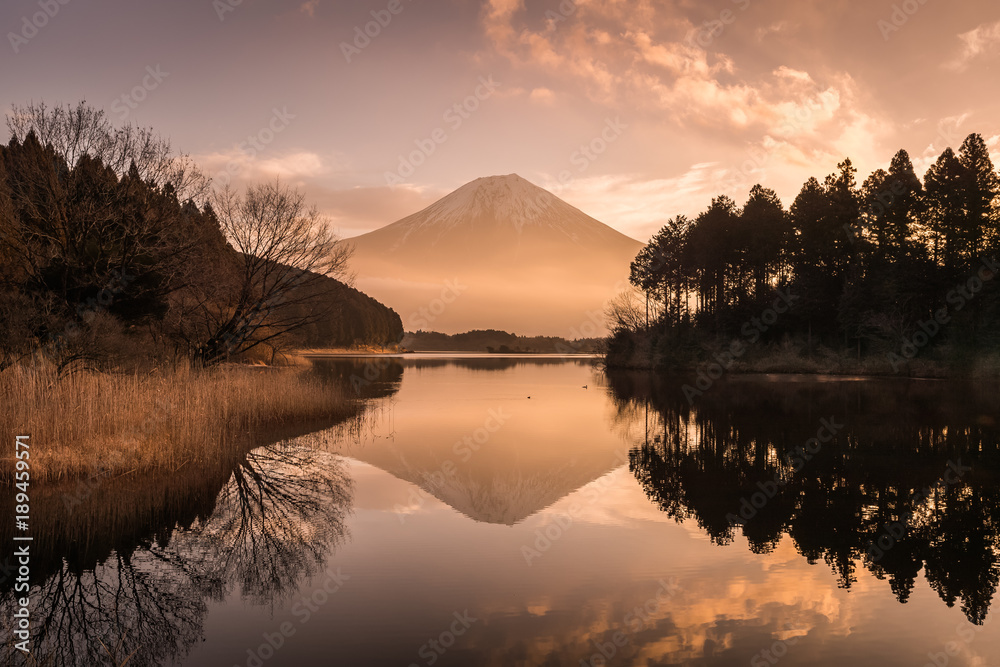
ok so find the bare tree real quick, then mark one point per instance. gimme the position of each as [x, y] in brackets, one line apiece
[287, 254]
[75, 132]
[627, 312]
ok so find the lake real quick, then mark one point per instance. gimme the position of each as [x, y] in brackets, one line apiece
[538, 511]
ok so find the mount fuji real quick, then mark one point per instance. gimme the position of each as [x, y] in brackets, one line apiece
[498, 253]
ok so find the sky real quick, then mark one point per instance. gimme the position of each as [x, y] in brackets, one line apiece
[633, 111]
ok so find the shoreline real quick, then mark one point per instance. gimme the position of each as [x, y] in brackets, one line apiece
[865, 369]
[107, 426]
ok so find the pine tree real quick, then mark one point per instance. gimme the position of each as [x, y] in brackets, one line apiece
[765, 225]
[945, 198]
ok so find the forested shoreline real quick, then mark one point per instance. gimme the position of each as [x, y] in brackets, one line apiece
[895, 275]
[114, 251]
[134, 299]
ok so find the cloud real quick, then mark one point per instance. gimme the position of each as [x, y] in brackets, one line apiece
[657, 64]
[735, 121]
[542, 96]
[362, 209]
[294, 166]
[764, 32]
[309, 8]
[637, 205]
[241, 166]
[982, 41]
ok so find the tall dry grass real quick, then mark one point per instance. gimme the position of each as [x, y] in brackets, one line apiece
[90, 424]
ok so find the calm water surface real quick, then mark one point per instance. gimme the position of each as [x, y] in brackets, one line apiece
[493, 511]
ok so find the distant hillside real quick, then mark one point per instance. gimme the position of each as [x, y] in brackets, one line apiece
[497, 341]
[499, 252]
[356, 319]
[106, 266]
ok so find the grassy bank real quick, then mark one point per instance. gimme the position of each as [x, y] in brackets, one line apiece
[110, 425]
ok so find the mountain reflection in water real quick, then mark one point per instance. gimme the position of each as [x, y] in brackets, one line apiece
[195, 567]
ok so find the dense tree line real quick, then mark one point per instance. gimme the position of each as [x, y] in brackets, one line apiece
[893, 265]
[500, 342]
[111, 246]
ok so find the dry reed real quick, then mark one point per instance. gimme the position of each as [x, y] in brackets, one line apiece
[106, 424]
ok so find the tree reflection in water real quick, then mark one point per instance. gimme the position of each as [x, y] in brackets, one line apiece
[273, 524]
[701, 462]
